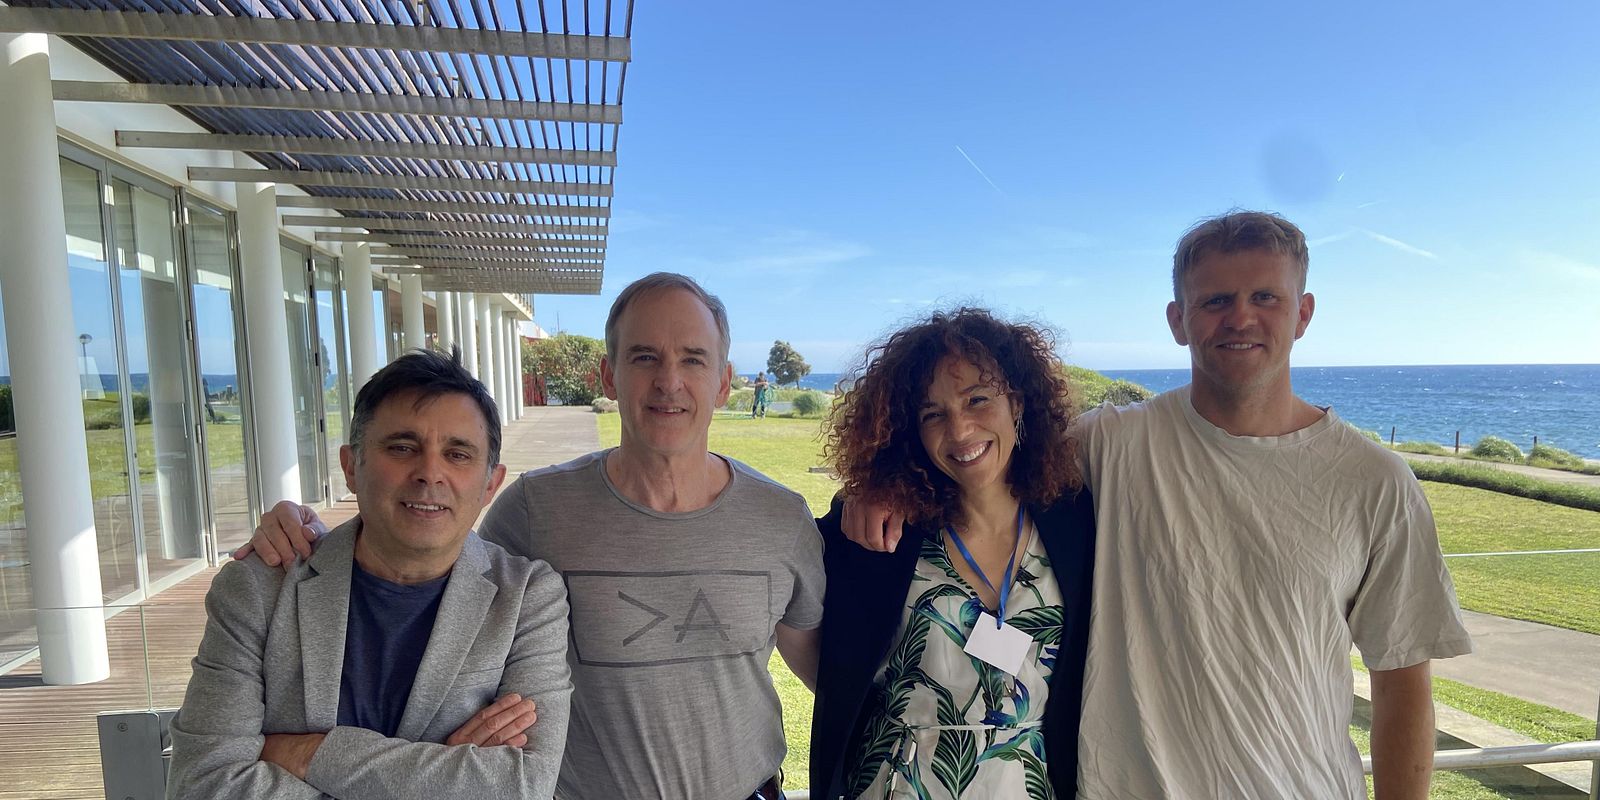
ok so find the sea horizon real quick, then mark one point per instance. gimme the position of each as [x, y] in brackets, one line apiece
[1557, 403]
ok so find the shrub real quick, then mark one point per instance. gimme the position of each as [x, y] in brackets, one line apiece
[1425, 448]
[1373, 435]
[1507, 482]
[8, 417]
[1552, 457]
[810, 404]
[1091, 389]
[741, 400]
[1494, 448]
[569, 364]
[141, 408]
[1126, 393]
[604, 405]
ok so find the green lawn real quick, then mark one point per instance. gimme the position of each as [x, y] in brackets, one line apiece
[1562, 590]
[1540, 723]
[107, 460]
[782, 449]
[1557, 589]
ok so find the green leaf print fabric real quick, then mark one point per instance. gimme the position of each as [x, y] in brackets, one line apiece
[945, 725]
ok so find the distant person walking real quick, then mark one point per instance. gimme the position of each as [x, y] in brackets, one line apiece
[763, 396]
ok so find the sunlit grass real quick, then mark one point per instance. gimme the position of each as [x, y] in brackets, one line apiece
[1557, 589]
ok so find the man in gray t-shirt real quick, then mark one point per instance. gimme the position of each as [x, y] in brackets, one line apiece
[672, 625]
[684, 570]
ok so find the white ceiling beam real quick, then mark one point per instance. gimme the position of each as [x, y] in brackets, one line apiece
[497, 258]
[442, 207]
[379, 225]
[319, 100]
[363, 148]
[462, 241]
[372, 180]
[311, 33]
[523, 286]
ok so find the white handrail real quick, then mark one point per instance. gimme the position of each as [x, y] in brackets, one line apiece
[1518, 755]
[1475, 758]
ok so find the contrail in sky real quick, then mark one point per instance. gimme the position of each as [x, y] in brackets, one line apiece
[979, 169]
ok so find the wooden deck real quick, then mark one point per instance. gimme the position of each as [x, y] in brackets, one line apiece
[49, 746]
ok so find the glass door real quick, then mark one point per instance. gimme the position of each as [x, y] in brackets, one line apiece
[213, 291]
[158, 374]
[334, 365]
[104, 418]
[305, 372]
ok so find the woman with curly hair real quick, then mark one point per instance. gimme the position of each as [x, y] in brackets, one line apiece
[952, 667]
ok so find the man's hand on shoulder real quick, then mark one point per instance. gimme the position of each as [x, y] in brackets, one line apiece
[504, 722]
[286, 531]
[875, 527]
[292, 751]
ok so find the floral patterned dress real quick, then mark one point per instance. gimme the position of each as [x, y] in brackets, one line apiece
[944, 725]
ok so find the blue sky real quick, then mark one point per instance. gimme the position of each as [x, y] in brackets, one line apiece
[809, 162]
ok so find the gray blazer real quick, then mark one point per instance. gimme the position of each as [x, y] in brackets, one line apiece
[271, 659]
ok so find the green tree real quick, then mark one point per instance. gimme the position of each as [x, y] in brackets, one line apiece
[569, 365]
[785, 364]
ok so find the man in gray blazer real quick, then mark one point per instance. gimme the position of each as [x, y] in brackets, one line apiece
[371, 669]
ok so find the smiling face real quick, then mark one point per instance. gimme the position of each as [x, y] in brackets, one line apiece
[422, 474]
[1239, 316]
[669, 374]
[968, 427]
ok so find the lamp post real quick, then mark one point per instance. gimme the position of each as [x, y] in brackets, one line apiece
[83, 342]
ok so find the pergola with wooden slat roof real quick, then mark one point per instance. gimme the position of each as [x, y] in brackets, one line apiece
[451, 133]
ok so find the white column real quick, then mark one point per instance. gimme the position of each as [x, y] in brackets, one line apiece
[513, 387]
[469, 332]
[267, 339]
[414, 331]
[501, 358]
[444, 311]
[516, 365]
[356, 261]
[52, 450]
[486, 346]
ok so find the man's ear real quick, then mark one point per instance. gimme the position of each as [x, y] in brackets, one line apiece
[1175, 322]
[608, 378]
[1308, 306]
[497, 476]
[347, 463]
[727, 384]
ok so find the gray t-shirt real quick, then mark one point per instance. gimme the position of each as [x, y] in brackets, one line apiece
[672, 626]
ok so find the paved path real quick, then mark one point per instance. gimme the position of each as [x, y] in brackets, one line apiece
[1551, 666]
[549, 435]
[1559, 476]
[49, 748]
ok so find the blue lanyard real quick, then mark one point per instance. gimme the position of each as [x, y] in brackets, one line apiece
[1005, 588]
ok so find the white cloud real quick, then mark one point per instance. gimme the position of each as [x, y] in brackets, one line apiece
[1398, 245]
[1559, 266]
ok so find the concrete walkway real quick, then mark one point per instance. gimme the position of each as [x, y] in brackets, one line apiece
[1550, 666]
[548, 435]
[1556, 475]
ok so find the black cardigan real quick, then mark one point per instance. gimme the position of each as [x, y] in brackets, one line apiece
[865, 602]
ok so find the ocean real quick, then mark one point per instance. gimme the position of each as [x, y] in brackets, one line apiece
[1559, 403]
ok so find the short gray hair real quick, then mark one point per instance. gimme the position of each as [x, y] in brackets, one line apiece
[1238, 231]
[658, 281]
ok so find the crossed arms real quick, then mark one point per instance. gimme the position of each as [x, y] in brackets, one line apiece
[222, 747]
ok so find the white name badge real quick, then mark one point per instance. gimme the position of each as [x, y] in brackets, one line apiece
[1003, 647]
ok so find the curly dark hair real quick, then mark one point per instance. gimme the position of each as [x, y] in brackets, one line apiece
[874, 442]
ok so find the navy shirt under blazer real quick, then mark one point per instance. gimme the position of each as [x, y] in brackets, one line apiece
[861, 618]
[383, 645]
